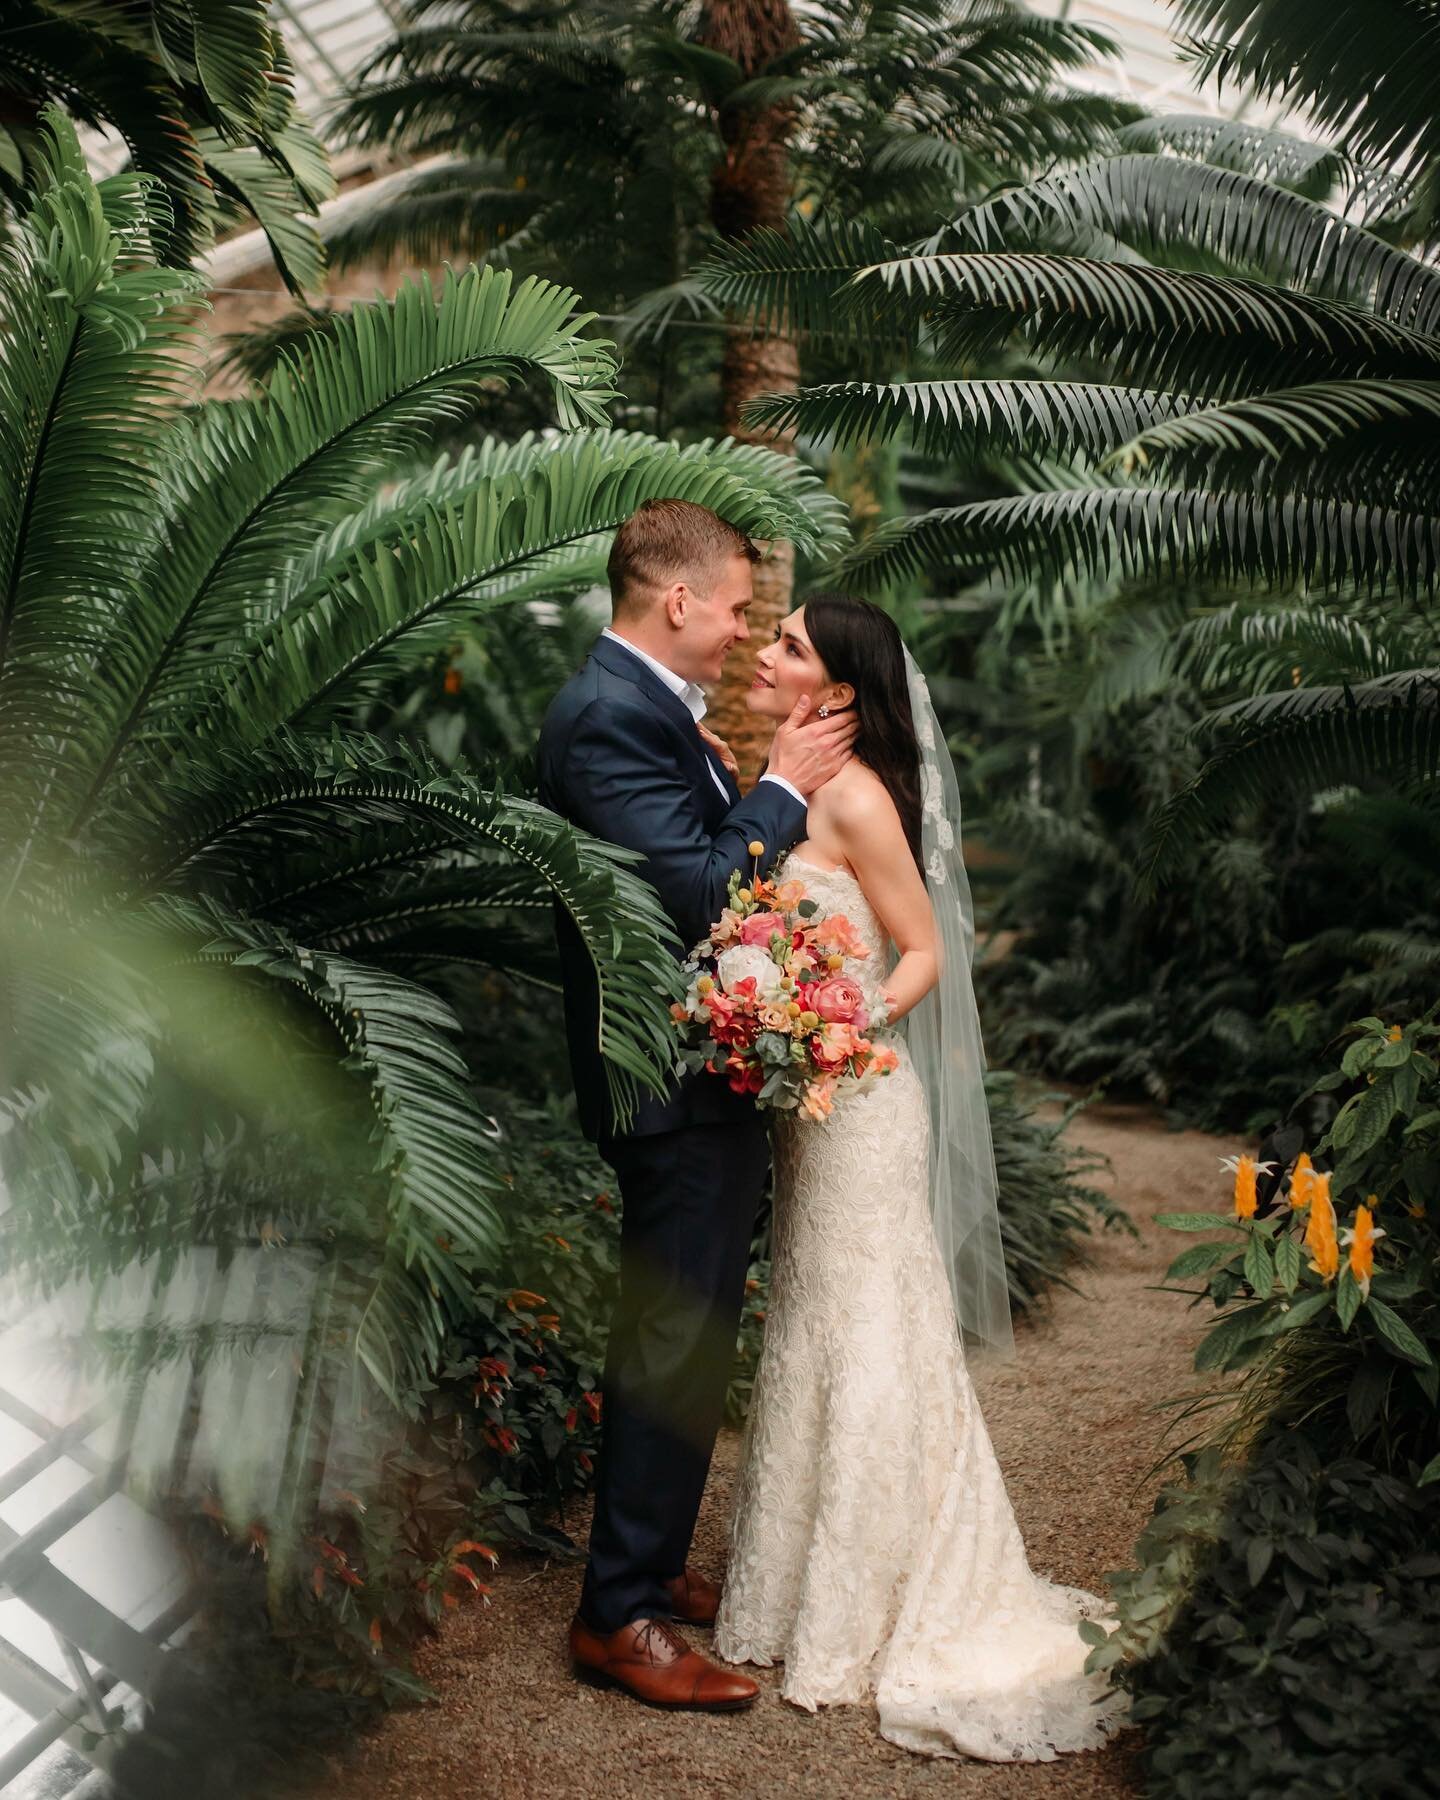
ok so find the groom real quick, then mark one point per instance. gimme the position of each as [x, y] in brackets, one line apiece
[623, 754]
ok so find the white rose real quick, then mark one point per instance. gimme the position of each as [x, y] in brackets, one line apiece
[742, 960]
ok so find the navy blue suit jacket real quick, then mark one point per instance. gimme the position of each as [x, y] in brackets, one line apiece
[621, 758]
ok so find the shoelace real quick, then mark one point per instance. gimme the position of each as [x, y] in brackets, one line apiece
[658, 1628]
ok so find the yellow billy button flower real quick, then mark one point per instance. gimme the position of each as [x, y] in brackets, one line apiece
[1301, 1177]
[755, 848]
[793, 1009]
[1361, 1238]
[1320, 1238]
[810, 1020]
[705, 985]
[1246, 1169]
[835, 961]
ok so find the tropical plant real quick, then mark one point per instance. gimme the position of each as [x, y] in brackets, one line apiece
[1288, 1585]
[1304, 1635]
[217, 888]
[1366, 73]
[1268, 426]
[1347, 1258]
[200, 94]
[618, 142]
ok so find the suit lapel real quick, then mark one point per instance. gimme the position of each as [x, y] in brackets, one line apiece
[619, 661]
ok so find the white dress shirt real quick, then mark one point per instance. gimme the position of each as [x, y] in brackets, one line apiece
[694, 702]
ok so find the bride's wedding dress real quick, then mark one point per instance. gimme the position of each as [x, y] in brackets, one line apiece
[874, 1549]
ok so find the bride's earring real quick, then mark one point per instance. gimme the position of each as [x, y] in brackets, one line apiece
[824, 712]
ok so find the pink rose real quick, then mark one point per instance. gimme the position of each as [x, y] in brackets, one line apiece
[839, 999]
[760, 927]
[836, 1047]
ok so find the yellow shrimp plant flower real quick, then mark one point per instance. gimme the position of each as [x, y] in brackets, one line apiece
[1246, 1169]
[1361, 1239]
[1320, 1239]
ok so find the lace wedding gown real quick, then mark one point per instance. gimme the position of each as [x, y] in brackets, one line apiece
[873, 1546]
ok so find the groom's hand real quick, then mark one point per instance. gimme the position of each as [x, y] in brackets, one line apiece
[807, 755]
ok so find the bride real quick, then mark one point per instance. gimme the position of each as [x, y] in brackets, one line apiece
[874, 1549]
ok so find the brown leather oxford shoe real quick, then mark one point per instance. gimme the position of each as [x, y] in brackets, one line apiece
[694, 1598]
[649, 1659]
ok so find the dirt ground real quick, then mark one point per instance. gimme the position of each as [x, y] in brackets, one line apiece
[1076, 1425]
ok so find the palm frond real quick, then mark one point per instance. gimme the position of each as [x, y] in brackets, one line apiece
[1365, 74]
[1311, 738]
[94, 357]
[261, 478]
[1262, 151]
[1184, 532]
[429, 1136]
[970, 418]
[500, 524]
[1268, 647]
[1204, 334]
[219, 814]
[798, 282]
[1385, 432]
[1156, 202]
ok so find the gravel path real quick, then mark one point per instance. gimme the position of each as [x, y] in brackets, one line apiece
[1075, 1425]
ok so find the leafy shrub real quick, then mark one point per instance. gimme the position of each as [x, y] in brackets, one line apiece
[1363, 1297]
[1045, 1207]
[1305, 1657]
[1286, 1604]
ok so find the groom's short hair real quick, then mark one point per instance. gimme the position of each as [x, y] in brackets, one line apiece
[669, 540]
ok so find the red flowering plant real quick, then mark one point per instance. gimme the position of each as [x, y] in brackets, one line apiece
[777, 1001]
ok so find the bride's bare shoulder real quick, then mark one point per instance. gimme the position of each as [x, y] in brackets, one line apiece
[856, 798]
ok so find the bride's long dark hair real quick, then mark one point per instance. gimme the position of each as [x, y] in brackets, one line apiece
[861, 645]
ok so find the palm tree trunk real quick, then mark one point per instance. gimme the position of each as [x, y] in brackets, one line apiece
[750, 186]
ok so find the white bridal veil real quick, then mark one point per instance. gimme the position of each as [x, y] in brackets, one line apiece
[943, 1035]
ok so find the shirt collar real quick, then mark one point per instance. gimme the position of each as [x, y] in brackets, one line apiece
[690, 696]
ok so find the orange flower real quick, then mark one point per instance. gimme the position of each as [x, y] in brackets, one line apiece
[1320, 1238]
[1301, 1177]
[523, 1297]
[1246, 1169]
[454, 681]
[819, 1101]
[1361, 1239]
[838, 934]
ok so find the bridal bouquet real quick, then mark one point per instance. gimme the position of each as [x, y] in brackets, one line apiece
[773, 1005]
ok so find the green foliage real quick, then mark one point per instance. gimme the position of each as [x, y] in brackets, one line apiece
[1367, 73]
[1215, 382]
[1046, 1207]
[200, 91]
[1303, 1266]
[596, 143]
[1309, 1642]
[226, 907]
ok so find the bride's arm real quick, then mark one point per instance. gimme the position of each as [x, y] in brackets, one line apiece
[867, 826]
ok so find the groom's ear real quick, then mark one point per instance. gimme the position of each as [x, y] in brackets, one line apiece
[679, 598]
